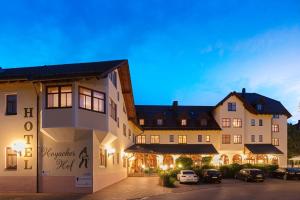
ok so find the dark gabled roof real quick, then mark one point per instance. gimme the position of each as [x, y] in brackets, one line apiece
[263, 149]
[172, 149]
[60, 71]
[250, 100]
[76, 71]
[172, 115]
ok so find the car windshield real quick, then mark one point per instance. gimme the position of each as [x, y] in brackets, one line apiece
[255, 172]
[189, 172]
[293, 170]
[213, 172]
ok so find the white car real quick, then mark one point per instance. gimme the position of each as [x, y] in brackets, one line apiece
[187, 176]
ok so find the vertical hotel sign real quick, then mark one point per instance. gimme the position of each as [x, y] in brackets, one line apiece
[28, 126]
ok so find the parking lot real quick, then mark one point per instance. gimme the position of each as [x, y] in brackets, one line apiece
[147, 188]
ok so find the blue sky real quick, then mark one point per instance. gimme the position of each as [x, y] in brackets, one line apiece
[192, 51]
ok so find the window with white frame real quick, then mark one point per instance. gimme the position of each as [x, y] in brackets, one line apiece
[275, 141]
[237, 139]
[154, 139]
[237, 123]
[207, 138]
[183, 122]
[142, 122]
[225, 122]
[182, 139]
[275, 128]
[231, 106]
[252, 122]
[141, 139]
[11, 159]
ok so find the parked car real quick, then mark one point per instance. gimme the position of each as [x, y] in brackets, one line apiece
[286, 173]
[187, 176]
[211, 176]
[250, 175]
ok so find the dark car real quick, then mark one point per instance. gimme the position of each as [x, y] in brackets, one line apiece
[211, 176]
[286, 173]
[250, 175]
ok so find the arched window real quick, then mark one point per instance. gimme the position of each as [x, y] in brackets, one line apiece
[275, 160]
[224, 159]
[237, 159]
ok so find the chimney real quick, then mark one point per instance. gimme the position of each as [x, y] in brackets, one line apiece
[175, 104]
[244, 91]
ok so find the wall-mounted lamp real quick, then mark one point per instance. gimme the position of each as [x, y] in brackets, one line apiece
[18, 146]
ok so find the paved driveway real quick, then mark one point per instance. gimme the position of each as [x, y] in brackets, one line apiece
[135, 188]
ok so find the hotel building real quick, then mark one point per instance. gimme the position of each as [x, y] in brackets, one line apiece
[75, 128]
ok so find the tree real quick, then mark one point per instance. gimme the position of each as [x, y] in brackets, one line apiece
[184, 162]
[293, 141]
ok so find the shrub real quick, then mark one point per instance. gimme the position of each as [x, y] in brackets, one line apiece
[166, 180]
[229, 171]
[184, 162]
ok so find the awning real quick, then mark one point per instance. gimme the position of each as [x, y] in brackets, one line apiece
[172, 149]
[263, 149]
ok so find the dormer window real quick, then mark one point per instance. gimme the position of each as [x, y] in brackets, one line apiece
[159, 122]
[232, 106]
[183, 122]
[259, 107]
[142, 122]
[203, 122]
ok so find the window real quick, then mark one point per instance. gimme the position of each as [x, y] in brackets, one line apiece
[275, 141]
[199, 138]
[11, 104]
[141, 139]
[260, 138]
[124, 109]
[231, 106]
[183, 122]
[252, 122]
[237, 139]
[171, 138]
[252, 138]
[275, 116]
[182, 139]
[154, 139]
[118, 122]
[113, 109]
[102, 156]
[226, 122]
[124, 129]
[203, 122]
[160, 122]
[129, 133]
[92, 100]
[207, 138]
[11, 159]
[142, 122]
[225, 139]
[260, 122]
[275, 128]
[259, 107]
[113, 78]
[59, 96]
[237, 123]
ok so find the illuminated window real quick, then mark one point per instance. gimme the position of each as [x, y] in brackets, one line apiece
[225, 139]
[11, 104]
[237, 123]
[102, 156]
[113, 109]
[142, 122]
[160, 122]
[91, 100]
[141, 139]
[183, 122]
[275, 128]
[226, 122]
[181, 139]
[154, 139]
[237, 139]
[11, 159]
[207, 138]
[231, 106]
[252, 122]
[59, 96]
[275, 141]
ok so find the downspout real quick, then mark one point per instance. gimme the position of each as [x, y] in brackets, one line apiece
[37, 136]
